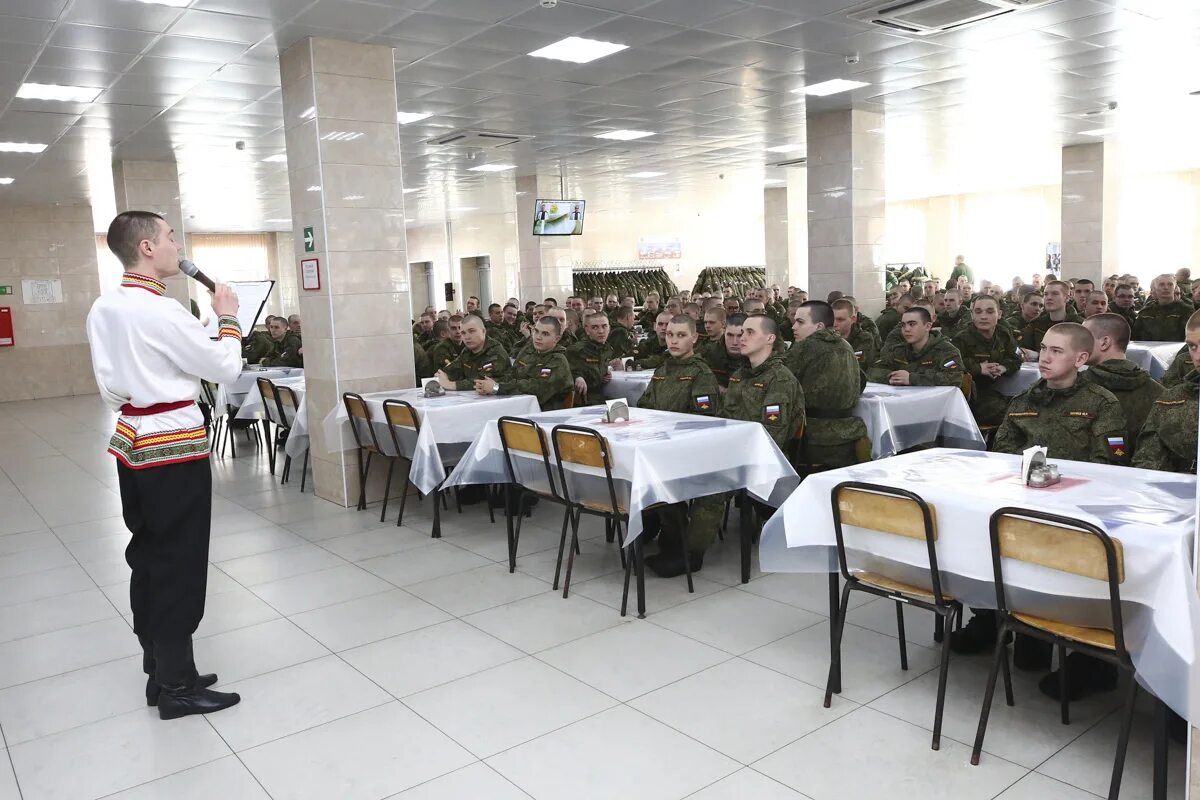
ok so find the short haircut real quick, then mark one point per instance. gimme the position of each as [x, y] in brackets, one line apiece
[1066, 287]
[552, 323]
[507, 306]
[716, 312]
[1112, 325]
[472, 320]
[430, 314]
[594, 317]
[1124, 286]
[842, 304]
[684, 319]
[819, 311]
[736, 303]
[1193, 322]
[954, 292]
[985, 298]
[440, 327]
[128, 230]
[834, 295]
[492, 307]
[662, 314]
[625, 312]
[294, 318]
[1080, 338]
[692, 307]
[769, 328]
[473, 297]
[1095, 292]
[923, 313]
[735, 320]
[652, 296]
[573, 316]
[457, 318]
[1084, 281]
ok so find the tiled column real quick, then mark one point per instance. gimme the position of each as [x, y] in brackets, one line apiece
[154, 186]
[797, 214]
[845, 205]
[546, 261]
[339, 105]
[1089, 209]
[775, 230]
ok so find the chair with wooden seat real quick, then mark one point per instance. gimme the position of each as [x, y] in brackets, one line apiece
[585, 448]
[1076, 548]
[570, 399]
[968, 388]
[215, 420]
[270, 415]
[400, 415]
[362, 425]
[897, 512]
[287, 406]
[524, 439]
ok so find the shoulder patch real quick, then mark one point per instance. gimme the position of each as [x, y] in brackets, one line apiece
[760, 386]
[687, 377]
[658, 377]
[703, 403]
[1082, 414]
[1169, 402]
[1023, 413]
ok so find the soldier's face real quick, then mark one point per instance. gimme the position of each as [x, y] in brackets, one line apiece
[1109, 287]
[472, 304]
[985, 316]
[952, 303]
[426, 324]
[681, 340]
[843, 322]
[1195, 294]
[1097, 303]
[712, 327]
[660, 327]
[651, 304]
[904, 287]
[731, 306]
[1037, 281]
[1164, 290]
[928, 290]
[753, 340]
[544, 338]
[611, 302]
[496, 316]
[1081, 294]
[1055, 299]
[294, 325]
[733, 339]
[575, 303]
[278, 328]
[1032, 307]
[510, 315]
[1193, 344]
[915, 329]
[1058, 359]
[456, 331]
[473, 336]
[802, 324]
[597, 328]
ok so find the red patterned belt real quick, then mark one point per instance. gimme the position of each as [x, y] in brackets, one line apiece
[157, 408]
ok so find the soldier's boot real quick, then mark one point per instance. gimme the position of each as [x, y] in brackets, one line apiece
[706, 515]
[978, 635]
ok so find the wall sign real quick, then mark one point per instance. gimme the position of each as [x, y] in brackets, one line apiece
[42, 292]
[310, 274]
[654, 248]
[310, 241]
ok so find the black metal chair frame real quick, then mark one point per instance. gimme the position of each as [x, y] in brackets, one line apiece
[270, 405]
[388, 404]
[513, 530]
[947, 609]
[217, 420]
[1008, 623]
[364, 469]
[286, 425]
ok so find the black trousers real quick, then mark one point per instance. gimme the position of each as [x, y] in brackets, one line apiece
[168, 510]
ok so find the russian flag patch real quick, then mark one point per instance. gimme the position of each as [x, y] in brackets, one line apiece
[703, 403]
[771, 413]
[1116, 446]
[950, 363]
[545, 372]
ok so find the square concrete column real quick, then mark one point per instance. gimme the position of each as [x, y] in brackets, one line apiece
[775, 231]
[343, 148]
[545, 261]
[1089, 211]
[845, 205]
[154, 186]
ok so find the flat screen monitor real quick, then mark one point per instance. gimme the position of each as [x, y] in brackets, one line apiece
[558, 217]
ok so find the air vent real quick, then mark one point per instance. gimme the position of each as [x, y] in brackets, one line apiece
[476, 140]
[929, 17]
[795, 162]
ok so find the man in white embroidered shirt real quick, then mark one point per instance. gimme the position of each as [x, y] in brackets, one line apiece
[149, 355]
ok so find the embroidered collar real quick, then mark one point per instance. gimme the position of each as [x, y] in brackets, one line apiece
[134, 280]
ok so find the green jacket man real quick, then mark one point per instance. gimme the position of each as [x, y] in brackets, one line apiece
[1181, 365]
[984, 353]
[542, 372]
[443, 353]
[257, 346]
[1109, 368]
[589, 362]
[765, 390]
[1162, 322]
[481, 357]
[1167, 440]
[923, 358]
[421, 363]
[285, 352]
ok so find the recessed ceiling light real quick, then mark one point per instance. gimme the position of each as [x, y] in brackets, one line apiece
[21, 147]
[352, 197]
[277, 158]
[6, 181]
[466, 208]
[646, 174]
[578, 50]
[314, 188]
[826, 88]
[492, 168]
[785, 148]
[405, 117]
[172, 3]
[280, 221]
[342, 136]
[624, 136]
[407, 191]
[66, 94]
[1098, 131]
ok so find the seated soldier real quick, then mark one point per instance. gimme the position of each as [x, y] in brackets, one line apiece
[1123, 303]
[591, 359]
[861, 342]
[895, 336]
[832, 382]
[1056, 311]
[421, 363]
[649, 312]
[956, 317]
[764, 390]
[1166, 319]
[683, 384]
[481, 357]
[1130, 384]
[286, 347]
[1168, 438]
[444, 349]
[1095, 303]
[652, 351]
[724, 356]
[542, 372]
[865, 322]
[898, 303]
[923, 358]
[989, 352]
[714, 328]
[1181, 365]
[620, 336]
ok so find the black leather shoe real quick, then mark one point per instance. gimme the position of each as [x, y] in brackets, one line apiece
[1086, 676]
[1032, 655]
[977, 636]
[670, 565]
[181, 701]
[152, 687]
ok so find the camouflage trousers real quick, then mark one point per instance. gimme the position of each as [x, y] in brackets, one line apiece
[703, 522]
[988, 406]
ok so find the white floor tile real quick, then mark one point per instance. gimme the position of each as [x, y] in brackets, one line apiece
[476, 781]
[1038, 787]
[255, 650]
[231, 610]
[747, 783]
[366, 756]
[741, 709]
[547, 620]
[8, 780]
[507, 705]
[293, 699]
[735, 621]
[26, 588]
[311, 590]
[880, 616]
[225, 778]
[414, 662]
[111, 755]
[866, 755]
[618, 753]
[803, 590]
[65, 650]
[99, 548]
[108, 571]
[94, 529]
[280, 564]
[595, 558]
[630, 660]
[493, 543]
[419, 564]
[32, 540]
[660, 594]
[54, 613]
[368, 619]
[251, 543]
[478, 589]
[38, 560]
[333, 522]
[374, 543]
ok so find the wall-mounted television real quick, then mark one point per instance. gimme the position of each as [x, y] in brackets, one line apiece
[558, 217]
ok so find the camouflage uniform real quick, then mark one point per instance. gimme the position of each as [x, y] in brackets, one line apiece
[1130, 314]
[937, 364]
[866, 349]
[1015, 324]
[1032, 332]
[1180, 367]
[547, 376]
[988, 404]
[257, 346]
[490, 362]
[1168, 439]
[650, 353]
[421, 363]
[685, 386]
[832, 381]
[589, 361]
[884, 323]
[868, 325]
[770, 394]
[285, 352]
[1159, 323]
[954, 324]
[1134, 389]
[443, 353]
[1083, 423]
[620, 340]
[647, 319]
[722, 362]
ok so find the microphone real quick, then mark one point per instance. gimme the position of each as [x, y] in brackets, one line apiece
[188, 268]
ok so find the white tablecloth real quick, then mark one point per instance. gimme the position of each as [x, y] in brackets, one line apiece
[448, 424]
[252, 405]
[900, 417]
[1154, 357]
[1152, 513]
[234, 394]
[658, 457]
[1014, 383]
[629, 386]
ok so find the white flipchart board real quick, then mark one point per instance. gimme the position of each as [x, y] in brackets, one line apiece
[252, 296]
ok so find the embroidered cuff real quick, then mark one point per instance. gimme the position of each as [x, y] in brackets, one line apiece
[228, 327]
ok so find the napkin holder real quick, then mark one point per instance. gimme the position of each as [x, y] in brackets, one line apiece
[1036, 471]
[433, 388]
[627, 363]
[616, 411]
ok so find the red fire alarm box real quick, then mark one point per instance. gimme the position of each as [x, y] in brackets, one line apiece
[6, 327]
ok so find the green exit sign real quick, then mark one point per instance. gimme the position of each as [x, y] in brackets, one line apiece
[6, 290]
[310, 241]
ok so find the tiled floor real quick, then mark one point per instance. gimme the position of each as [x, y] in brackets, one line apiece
[375, 662]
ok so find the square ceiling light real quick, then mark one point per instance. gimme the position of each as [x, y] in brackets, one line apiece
[276, 159]
[1098, 132]
[65, 94]
[646, 174]
[21, 147]
[624, 135]
[578, 50]
[6, 181]
[785, 148]
[405, 117]
[492, 168]
[172, 3]
[826, 88]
